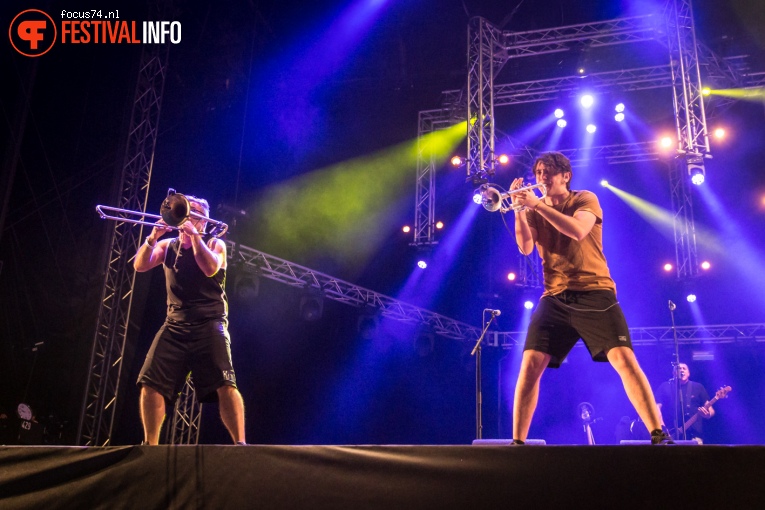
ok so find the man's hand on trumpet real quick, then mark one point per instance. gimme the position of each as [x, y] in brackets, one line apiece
[525, 198]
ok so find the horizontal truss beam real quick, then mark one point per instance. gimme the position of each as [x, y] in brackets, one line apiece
[686, 335]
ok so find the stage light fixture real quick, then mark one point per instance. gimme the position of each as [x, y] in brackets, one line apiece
[591, 128]
[697, 175]
[619, 108]
[706, 91]
[311, 306]
[587, 101]
[558, 113]
[604, 183]
[719, 133]
[691, 298]
[457, 161]
[528, 304]
[561, 123]
[706, 265]
[581, 70]
[407, 229]
[619, 117]
[422, 264]
[666, 142]
[439, 225]
[668, 267]
[511, 276]
[477, 198]
[503, 159]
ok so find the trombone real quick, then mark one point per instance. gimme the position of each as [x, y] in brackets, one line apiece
[175, 211]
[494, 200]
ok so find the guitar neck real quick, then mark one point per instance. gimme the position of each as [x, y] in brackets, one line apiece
[695, 417]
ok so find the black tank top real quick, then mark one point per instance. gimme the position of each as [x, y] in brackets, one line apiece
[192, 297]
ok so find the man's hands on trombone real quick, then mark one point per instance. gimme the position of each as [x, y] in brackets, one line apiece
[160, 229]
[525, 198]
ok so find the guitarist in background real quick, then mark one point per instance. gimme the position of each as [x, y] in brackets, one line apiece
[694, 398]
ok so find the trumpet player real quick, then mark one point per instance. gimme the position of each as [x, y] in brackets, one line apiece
[579, 299]
[194, 337]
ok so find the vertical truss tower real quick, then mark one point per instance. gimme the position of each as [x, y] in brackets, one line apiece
[105, 369]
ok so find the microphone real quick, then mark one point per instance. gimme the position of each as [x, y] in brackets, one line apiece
[672, 306]
[495, 313]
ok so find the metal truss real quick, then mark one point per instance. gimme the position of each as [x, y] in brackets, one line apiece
[484, 61]
[425, 189]
[335, 289]
[554, 40]
[187, 417]
[686, 335]
[104, 373]
[684, 228]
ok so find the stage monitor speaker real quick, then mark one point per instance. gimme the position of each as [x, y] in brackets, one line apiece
[632, 442]
[505, 442]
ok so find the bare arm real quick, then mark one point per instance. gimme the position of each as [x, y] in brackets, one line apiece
[152, 252]
[210, 258]
[576, 227]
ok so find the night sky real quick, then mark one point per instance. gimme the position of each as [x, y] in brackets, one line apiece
[262, 94]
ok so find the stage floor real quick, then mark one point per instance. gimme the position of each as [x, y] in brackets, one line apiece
[409, 477]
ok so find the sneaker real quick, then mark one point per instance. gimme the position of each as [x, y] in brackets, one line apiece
[241, 443]
[661, 437]
[517, 441]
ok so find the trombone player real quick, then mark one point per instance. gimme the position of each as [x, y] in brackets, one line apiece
[579, 299]
[194, 337]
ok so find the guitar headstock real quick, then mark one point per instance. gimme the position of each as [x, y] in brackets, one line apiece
[723, 392]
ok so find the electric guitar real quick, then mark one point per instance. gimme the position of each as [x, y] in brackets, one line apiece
[721, 393]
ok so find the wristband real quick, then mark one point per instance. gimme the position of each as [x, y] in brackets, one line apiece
[150, 245]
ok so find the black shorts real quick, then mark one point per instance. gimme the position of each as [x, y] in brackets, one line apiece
[561, 320]
[203, 349]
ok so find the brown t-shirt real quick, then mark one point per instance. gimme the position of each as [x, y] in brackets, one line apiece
[570, 264]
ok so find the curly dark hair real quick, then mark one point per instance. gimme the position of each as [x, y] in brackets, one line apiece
[556, 163]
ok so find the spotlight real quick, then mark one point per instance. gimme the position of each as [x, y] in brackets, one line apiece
[422, 264]
[406, 229]
[619, 117]
[697, 175]
[619, 107]
[311, 307]
[457, 161]
[558, 113]
[587, 101]
[528, 305]
[706, 91]
[511, 277]
[503, 159]
[439, 225]
[668, 267]
[591, 128]
[719, 133]
[581, 70]
[666, 142]
[691, 297]
[246, 287]
[706, 265]
[561, 123]
[604, 183]
[477, 197]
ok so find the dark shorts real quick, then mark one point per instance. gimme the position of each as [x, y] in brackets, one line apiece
[561, 320]
[204, 350]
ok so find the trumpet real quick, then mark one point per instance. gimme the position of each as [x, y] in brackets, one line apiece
[493, 199]
[174, 211]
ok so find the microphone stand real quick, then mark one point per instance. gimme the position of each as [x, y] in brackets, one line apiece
[477, 353]
[679, 404]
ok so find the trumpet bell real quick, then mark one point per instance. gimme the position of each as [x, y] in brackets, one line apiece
[175, 209]
[491, 199]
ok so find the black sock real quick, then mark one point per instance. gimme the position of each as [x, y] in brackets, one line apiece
[657, 432]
